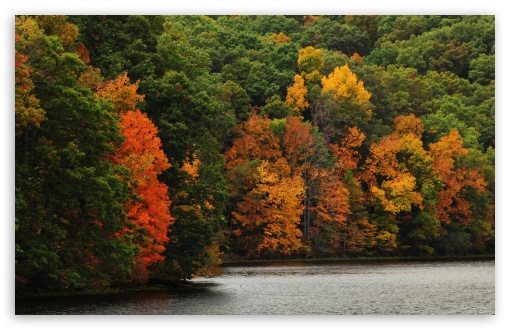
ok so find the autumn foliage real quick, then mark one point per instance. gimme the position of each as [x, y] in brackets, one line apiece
[121, 92]
[141, 152]
[268, 215]
[344, 83]
[160, 146]
[310, 63]
[452, 206]
[296, 95]
[28, 111]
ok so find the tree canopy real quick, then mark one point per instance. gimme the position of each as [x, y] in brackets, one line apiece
[157, 146]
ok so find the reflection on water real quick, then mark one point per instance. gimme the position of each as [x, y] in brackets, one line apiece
[466, 287]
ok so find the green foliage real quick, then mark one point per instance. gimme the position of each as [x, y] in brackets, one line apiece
[275, 108]
[121, 43]
[70, 201]
[332, 34]
[482, 69]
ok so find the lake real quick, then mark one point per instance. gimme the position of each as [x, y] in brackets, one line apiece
[380, 288]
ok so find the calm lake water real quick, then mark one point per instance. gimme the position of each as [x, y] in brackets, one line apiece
[456, 287]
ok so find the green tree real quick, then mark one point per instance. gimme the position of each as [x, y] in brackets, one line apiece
[482, 69]
[71, 203]
[119, 43]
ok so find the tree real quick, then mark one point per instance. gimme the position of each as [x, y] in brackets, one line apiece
[359, 231]
[70, 198]
[141, 153]
[119, 43]
[310, 63]
[194, 115]
[452, 206]
[59, 26]
[482, 69]
[331, 33]
[268, 216]
[28, 112]
[278, 38]
[296, 95]
[344, 84]
[267, 195]
[330, 215]
[346, 154]
[275, 108]
[257, 141]
[307, 154]
[122, 93]
[403, 185]
[353, 231]
[298, 144]
[198, 208]
[342, 103]
[368, 25]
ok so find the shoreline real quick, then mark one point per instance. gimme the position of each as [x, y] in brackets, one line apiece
[360, 260]
[157, 284]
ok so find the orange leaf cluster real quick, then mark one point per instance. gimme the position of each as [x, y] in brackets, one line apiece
[298, 144]
[269, 212]
[27, 109]
[123, 94]
[390, 182]
[346, 154]
[257, 142]
[141, 153]
[451, 205]
[333, 206]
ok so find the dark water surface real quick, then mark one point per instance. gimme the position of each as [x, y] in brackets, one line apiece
[456, 287]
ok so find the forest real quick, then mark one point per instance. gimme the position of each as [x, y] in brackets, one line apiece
[158, 147]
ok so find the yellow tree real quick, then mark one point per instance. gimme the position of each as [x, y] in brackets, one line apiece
[296, 95]
[277, 39]
[403, 184]
[396, 172]
[344, 84]
[284, 194]
[267, 192]
[343, 103]
[268, 217]
[310, 63]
